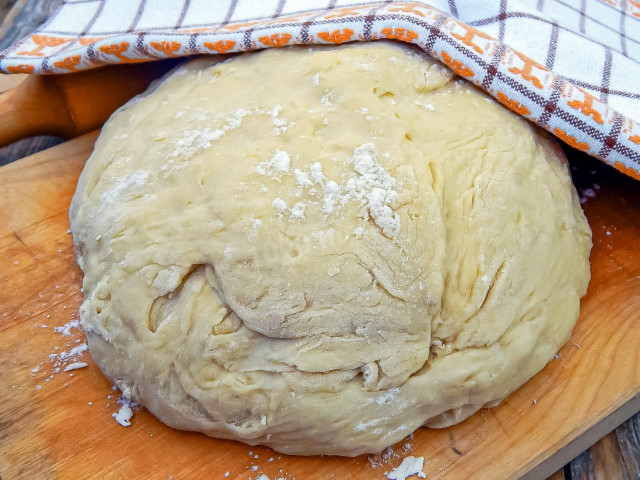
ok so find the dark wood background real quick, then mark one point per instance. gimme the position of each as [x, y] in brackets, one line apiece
[616, 456]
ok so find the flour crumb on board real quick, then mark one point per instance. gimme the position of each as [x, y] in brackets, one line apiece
[255, 467]
[383, 458]
[410, 466]
[75, 366]
[586, 193]
[68, 356]
[123, 416]
[65, 330]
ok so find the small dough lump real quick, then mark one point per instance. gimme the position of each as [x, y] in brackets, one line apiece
[323, 249]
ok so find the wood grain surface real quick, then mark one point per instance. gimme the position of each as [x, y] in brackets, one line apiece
[617, 455]
[49, 429]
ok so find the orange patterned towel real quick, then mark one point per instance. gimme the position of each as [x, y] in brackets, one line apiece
[571, 66]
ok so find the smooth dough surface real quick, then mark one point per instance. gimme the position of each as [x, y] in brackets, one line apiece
[323, 249]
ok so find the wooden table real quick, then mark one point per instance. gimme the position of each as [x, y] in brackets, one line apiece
[617, 455]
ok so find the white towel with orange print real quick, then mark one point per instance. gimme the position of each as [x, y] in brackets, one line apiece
[571, 66]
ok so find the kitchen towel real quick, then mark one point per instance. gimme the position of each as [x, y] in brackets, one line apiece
[570, 66]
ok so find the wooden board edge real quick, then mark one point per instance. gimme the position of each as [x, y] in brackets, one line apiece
[80, 145]
[584, 441]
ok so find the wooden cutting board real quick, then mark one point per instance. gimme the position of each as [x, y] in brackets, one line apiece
[60, 425]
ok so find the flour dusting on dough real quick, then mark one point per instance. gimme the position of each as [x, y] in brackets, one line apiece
[277, 165]
[374, 187]
[193, 142]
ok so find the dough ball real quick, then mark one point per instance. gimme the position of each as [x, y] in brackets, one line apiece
[323, 249]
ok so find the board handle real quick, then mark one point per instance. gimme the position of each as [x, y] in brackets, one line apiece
[72, 104]
[33, 108]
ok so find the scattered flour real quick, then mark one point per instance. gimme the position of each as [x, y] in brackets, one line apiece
[256, 223]
[75, 366]
[315, 80]
[367, 67]
[67, 356]
[362, 426]
[135, 180]
[383, 458]
[65, 330]
[297, 211]
[365, 111]
[385, 398]
[279, 125]
[329, 100]
[587, 193]
[332, 195]
[302, 180]
[123, 417]
[316, 173]
[410, 466]
[426, 106]
[280, 205]
[193, 142]
[278, 164]
[374, 187]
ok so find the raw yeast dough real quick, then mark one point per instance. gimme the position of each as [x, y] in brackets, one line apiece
[323, 249]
